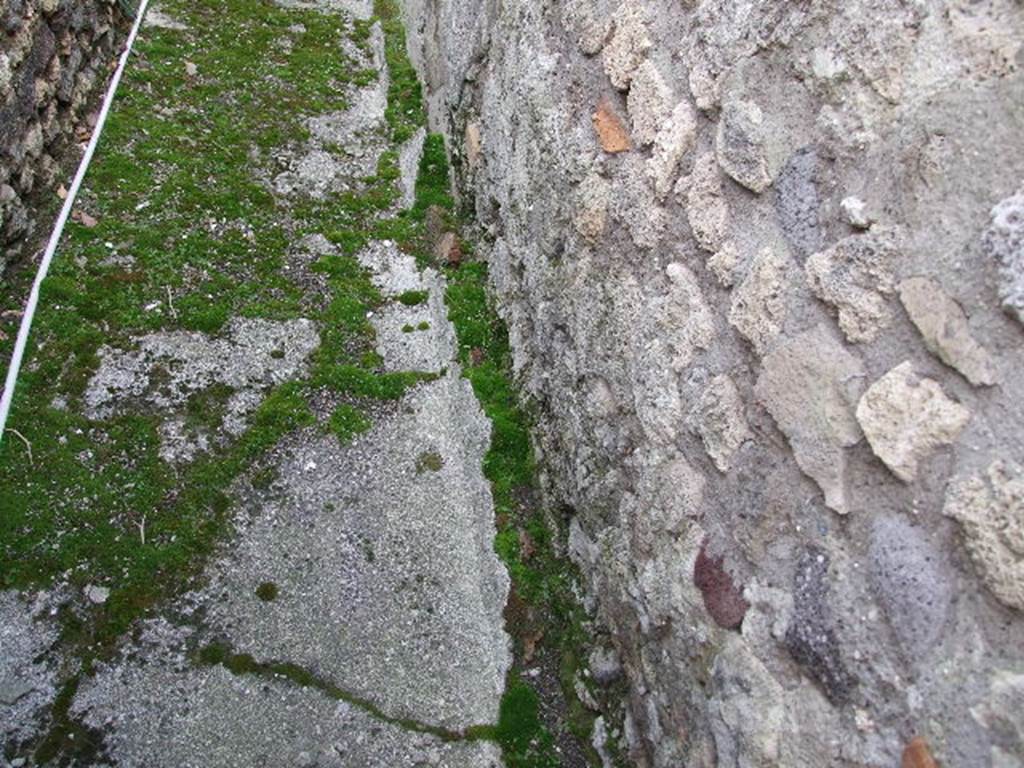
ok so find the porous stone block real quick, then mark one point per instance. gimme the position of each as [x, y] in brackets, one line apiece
[720, 421]
[854, 277]
[740, 144]
[990, 510]
[759, 306]
[1004, 242]
[674, 140]
[628, 44]
[649, 102]
[906, 417]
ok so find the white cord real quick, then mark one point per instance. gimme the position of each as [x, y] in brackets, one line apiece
[51, 247]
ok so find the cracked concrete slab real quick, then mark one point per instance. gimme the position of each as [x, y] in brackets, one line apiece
[28, 674]
[409, 338]
[166, 368]
[384, 561]
[388, 584]
[346, 145]
[360, 9]
[168, 712]
[359, 596]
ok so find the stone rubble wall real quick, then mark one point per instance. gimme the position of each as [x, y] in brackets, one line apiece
[763, 268]
[53, 55]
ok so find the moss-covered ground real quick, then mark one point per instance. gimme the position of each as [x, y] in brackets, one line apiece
[187, 236]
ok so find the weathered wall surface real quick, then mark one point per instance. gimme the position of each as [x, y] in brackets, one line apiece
[763, 267]
[53, 53]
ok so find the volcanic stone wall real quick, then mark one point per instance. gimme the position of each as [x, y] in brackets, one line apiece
[53, 55]
[763, 269]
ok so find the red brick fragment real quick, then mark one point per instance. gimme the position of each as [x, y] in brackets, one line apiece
[722, 598]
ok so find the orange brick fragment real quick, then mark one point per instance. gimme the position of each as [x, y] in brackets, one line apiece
[611, 131]
[917, 755]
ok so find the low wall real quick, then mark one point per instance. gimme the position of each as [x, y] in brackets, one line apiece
[53, 55]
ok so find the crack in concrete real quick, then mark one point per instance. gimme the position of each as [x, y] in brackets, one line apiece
[240, 664]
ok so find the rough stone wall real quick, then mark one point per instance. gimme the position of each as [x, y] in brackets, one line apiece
[53, 54]
[763, 268]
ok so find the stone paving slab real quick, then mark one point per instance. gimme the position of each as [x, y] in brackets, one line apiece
[383, 556]
[167, 712]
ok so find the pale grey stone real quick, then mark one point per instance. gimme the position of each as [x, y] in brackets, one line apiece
[913, 585]
[409, 164]
[28, 667]
[649, 102]
[5, 74]
[943, 326]
[798, 202]
[1004, 242]
[706, 205]
[254, 353]
[720, 421]
[157, 17]
[856, 212]
[591, 217]
[1002, 713]
[215, 718]
[674, 140]
[590, 25]
[635, 205]
[809, 385]
[360, 9]
[430, 350]
[740, 144]
[746, 708]
[685, 314]
[97, 595]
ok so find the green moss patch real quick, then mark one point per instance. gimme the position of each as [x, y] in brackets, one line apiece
[347, 421]
[429, 461]
[543, 602]
[188, 236]
[413, 298]
[267, 591]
